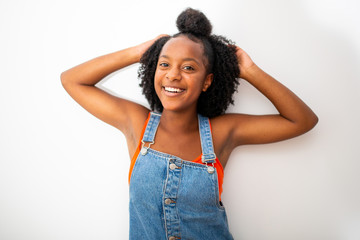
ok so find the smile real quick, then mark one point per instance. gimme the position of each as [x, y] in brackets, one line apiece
[173, 90]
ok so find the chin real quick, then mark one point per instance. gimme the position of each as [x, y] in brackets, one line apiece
[172, 108]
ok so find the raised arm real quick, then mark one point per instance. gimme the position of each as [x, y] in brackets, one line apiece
[80, 83]
[125, 115]
[294, 118]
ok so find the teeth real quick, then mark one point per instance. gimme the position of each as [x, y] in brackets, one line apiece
[175, 90]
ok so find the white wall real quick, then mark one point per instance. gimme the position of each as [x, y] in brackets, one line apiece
[63, 173]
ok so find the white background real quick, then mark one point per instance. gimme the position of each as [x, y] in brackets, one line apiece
[63, 173]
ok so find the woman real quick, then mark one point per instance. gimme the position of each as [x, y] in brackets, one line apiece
[178, 152]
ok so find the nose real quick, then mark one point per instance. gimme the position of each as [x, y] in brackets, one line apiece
[173, 74]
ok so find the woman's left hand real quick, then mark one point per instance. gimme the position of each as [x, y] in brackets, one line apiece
[245, 62]
[143, 47]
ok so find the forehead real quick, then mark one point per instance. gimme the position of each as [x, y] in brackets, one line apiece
[183, 47]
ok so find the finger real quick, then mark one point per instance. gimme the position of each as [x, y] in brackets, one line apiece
[162, 35]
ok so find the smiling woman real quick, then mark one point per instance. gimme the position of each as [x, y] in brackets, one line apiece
[217, 55]
[180, 146]
[181, 75]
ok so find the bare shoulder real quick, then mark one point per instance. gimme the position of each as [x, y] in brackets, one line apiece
[137, 115]
[223, 131]
[224, 126]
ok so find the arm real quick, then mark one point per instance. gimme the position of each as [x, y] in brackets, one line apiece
[294, 118]
[80, 83]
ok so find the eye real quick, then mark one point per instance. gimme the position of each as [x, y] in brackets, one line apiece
[189, 68]
[163, 65]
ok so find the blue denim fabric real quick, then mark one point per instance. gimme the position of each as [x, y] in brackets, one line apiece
[175, 199]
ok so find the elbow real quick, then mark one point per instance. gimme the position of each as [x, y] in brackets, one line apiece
[311, 122]
[315, 121]
[306, 123]
[66, 80]
[63, 78]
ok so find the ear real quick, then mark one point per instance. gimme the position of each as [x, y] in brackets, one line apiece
[208, 80]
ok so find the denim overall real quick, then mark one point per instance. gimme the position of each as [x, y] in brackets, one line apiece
[171, 198]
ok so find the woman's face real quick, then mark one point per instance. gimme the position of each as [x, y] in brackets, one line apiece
[181, 74]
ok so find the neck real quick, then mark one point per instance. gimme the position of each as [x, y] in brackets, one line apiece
[179, 121]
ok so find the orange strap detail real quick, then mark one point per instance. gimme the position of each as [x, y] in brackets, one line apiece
[219, 170]
[137, 151]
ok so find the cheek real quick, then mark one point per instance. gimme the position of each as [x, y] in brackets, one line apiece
[199, 83]
[158, 75]
[157, 82]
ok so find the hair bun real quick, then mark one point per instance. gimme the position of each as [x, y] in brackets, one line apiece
[193, 21]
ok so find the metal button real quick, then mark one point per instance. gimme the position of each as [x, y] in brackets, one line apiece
[168, 201]
[211, 170]
[173, 166]
[172, 238]
[143, 151]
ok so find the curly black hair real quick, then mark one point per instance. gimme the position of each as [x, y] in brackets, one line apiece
[221, 61]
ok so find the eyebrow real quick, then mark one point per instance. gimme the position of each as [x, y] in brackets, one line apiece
[184, 59]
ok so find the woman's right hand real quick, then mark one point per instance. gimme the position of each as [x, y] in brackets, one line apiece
[143, 47]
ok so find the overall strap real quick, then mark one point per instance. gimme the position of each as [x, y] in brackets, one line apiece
[150, 132]
[208, 155]
[151, 127]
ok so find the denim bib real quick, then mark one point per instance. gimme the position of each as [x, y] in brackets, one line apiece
[171, 198]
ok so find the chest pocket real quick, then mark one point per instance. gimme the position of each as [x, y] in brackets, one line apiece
[198, 190]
